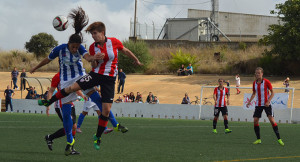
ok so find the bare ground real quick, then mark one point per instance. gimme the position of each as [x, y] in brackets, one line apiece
[170, 89]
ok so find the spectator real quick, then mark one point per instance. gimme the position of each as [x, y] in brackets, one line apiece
[189, 69]
[155, 100]
[8, 94]
[228, 85]
[121, 80]
[186, 99]
[287, 84]
[31, 93]
[150, 97]
[23, 81]
[238, 83]
[126, 98]
[181, 71]
[14, 77]
[131, 97]
[139, 98]
[35, 95]
[119, 100]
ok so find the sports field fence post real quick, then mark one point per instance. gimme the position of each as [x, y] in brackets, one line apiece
[292, 104]
[200, 102]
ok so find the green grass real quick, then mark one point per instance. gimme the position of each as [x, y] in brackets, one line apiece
[22, 139]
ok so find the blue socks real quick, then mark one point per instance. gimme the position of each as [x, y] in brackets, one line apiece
[67, 121]
[97, 100]
[80, 120]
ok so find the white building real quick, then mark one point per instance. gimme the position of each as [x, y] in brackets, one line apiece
[236, 26]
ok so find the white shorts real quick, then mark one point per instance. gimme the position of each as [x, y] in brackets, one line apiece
[88, 105]
[72, 96]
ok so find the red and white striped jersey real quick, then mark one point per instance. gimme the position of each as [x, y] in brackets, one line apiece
[109, 65]
[220, 96]
[262, 91]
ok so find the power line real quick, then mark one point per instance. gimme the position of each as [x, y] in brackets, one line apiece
[153, 11]
[176, 3]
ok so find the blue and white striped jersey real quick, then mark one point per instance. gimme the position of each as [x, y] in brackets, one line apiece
[70, 64]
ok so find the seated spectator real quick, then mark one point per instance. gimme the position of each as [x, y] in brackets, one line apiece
[119, 100]
[30, 94]
[126, 98]
[150, 97]
[34, 94]
[189, 69]
[139, 98]
[131, 97]
[155, 100]
[186, 99]
[181, 71]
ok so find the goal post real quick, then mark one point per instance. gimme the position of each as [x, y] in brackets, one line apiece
[237, 101]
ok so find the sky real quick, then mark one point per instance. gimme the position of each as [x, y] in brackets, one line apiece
[21, 19]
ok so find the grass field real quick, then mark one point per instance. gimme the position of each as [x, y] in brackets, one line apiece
[22, 139]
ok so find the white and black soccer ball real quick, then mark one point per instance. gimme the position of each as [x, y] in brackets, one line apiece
[60, 23]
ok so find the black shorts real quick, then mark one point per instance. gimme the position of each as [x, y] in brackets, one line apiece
[259, 109]
[107, 85]
[217, 110]
[73, 114]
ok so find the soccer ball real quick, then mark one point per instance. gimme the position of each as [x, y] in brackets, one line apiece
[60, 23]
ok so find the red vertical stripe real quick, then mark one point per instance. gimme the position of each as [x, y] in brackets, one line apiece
[92, 52]
[221, 96]
[106, 58]
[114, 62]
[258, 93]
[265, 92]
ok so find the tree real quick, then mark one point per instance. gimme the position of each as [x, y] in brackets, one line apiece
[41, 44]
[284, 37]
[140, 49]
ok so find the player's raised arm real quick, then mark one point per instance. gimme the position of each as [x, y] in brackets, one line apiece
[41, 64]
[128, 53]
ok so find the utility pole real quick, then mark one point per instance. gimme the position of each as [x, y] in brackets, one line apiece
[134, 21]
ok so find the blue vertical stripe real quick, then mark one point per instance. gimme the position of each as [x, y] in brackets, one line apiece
[79, 67]
[72, 66]
[65, 76]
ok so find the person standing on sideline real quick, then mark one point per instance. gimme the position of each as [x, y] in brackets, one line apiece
[105, 68]
[287, 84]
[219, 96]
[8, 94]
[121, 80]
[14, 77]
[262, 87]
[238, 83]
[23, 82]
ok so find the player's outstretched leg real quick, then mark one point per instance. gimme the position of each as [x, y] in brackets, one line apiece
[59, 95]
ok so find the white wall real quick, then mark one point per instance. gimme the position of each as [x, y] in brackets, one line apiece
[169, 111]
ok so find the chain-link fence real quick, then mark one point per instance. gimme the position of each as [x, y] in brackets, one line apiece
[146, 31]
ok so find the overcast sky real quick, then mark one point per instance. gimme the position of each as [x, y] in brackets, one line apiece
[20, 19]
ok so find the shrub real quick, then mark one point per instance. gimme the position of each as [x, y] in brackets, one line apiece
[141, 51]
[180, 58]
